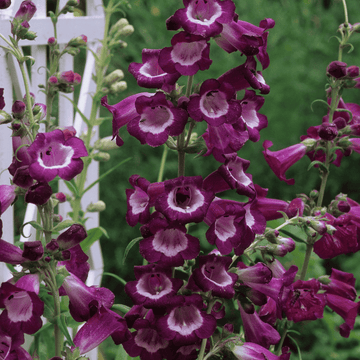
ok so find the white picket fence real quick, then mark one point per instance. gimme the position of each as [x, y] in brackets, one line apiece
[68, 26]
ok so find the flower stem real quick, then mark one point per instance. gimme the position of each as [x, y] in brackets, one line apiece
[309, 248]
[162, 164]
[204, 341]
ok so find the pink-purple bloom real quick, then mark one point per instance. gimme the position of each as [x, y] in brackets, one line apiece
[202, 17]
[157, 119]
[187, 55]
[7, 196]
[53, 155]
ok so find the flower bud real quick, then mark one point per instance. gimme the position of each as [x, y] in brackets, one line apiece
[57, 218]
[96, 207]
[319, 226]
[78, 41]
[38, 193]
[102, 157]
[18, 109]
[26, 11]
[337, 69]
[271, 236]
[324, 279]
[53, 80]
[125, 31]
[352, 71]
[30, 35]
[340, 123]
[343, 206]
[118, 87]
[52, 41]
[39, 110]
[120, 24]
[113, 77]
[314, 194]
[328, 131]
[356, 27]
[33, 250]
[105, 144]
[72, 51]
[4, 4]
[73, 3]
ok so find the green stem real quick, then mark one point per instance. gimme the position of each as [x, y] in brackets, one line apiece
[309, 248]
[346, 12]
[280, 345]
[162, 164]
[203, 343]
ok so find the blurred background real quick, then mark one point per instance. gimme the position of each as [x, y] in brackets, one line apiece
[300, 46]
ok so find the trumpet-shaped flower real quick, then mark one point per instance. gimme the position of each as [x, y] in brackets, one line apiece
[52, 155]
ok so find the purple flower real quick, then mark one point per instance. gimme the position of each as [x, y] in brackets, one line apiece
[187, 323]
[184, 200]
[4, 4]
[2, 101]
[281, 160]
[33, 250]
[122, 112]
[304, 302]
[23, 307]
[26, 11]
[10, 253]
[257, 331]
[149, 74]
[86, 301]
[103, 324]
[71, 237]
[38, 194]
[214, 104]
[251, 351]
[170, 246]
[158, 118]
[337, 69]
[188, 54]
[52, 155]
[212, 275]
[249, 39]
[251, 104]
[154, 286]
[202, 17]
[7, 197]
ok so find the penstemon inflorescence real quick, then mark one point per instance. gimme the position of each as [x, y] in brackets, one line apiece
[180, 294]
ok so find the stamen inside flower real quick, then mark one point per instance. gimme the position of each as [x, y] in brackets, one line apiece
[185, 319]
[214, 104]
[19, 306]
[156, 119]
[56, 156]
[185, 199]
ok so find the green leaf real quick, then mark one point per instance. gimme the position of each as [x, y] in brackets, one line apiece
[63, 225]
[94, 234]
[86, 121]
[294, 237]
[297, 346]
[121, 354]
[105, 174]
[321, 165]
[129, 246]
[71, 185]
[116, 277]
[34, 224]
[120, 307]
[321, 101]
[11, 268]
[60, 320]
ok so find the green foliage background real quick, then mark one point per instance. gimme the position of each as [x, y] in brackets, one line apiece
[300, 47]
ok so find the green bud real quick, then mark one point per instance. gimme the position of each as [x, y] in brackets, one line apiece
[5, 118]
[97, 207]
[125, 31]
[119, 25]
[72, 51]
[344, 142]
[72, 3]
[309, 143]
[324, 279]
[118, 87]
[77, 41]
[102, 156]
[113, 77]
[30, 35]
[105, 144]
[356, 27]
[314, 194]
[271, 236]
[330, 229]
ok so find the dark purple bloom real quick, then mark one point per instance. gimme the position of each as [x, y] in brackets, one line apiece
[70, 78]
[224, 139]
[4, 4]
[2, 101]
[103, 324]
[154, 286]
[122, 112]
[184, 200]
[202, 17]
[33, 250]
[23, 307]
[7, 197]
[280, 161]
[212, 275]
[337, 69]
[52, 155]
[10, 253]
[38, 194]
[86, 301]
[328, 131]
[18, 109]
[157, 119]
[251, 351]
[251, 104]
[71, 237]
[149, 74]
[170, 246]
[249, 39]
[257, 331]
[187, 323]
[215, 103]
[188, 54]
[26, 11]
[352, 71]
[342, 284]
[304, 302]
